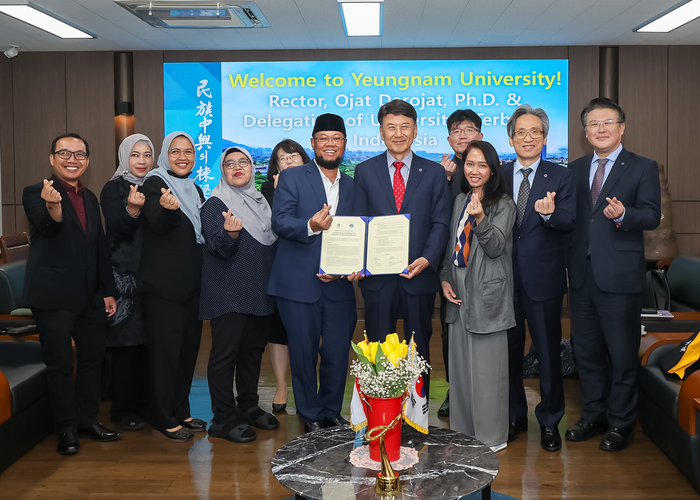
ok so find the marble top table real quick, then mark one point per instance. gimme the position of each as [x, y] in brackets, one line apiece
[451, 465]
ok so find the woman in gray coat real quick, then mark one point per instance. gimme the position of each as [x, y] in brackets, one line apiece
[477, 281]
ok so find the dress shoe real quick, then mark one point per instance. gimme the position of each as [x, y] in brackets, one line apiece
[278, 408]
[335, 422]
[444, 410]
[68, 443]
[515, 429]
[584, 430]
[617, 439]
[181, 435]
[99, 432]
[194, 425]
[312, 427]
[131, 422]
[551, 440]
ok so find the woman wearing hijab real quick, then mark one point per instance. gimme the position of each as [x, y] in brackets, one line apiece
[169, 281]
[239, 250]
[286, 154]
[121, 203]
[477, 281]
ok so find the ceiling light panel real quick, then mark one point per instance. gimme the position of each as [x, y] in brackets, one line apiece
[674, 18]
[43, 19]
[362, 18]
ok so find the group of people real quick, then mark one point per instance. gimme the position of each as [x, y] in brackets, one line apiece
[494, 240]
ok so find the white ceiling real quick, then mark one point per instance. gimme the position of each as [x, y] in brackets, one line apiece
[315, 24]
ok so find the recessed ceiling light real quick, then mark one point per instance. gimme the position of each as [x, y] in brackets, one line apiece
[673, 18]
[43, 19]
[362, 17]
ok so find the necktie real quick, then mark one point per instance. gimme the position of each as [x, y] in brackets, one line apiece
[399, 186]
[597, 185]
[523, 195]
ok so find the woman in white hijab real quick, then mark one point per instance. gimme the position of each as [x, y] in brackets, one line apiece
[239, 250]
[169, 282]
[121, 203]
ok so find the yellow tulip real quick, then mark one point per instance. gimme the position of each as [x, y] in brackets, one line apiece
[373, 346]
[392, 339]
[364, 347]
[393, 357]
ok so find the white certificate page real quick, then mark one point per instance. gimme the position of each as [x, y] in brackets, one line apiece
[387, 244]
[343, 246]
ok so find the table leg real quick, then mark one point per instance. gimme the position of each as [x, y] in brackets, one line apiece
[486, 493]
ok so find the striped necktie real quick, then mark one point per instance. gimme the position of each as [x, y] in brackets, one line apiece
[523, 195]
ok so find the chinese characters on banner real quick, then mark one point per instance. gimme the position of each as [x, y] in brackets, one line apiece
[204, 110]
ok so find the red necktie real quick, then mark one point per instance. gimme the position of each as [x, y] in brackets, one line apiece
[399, 186]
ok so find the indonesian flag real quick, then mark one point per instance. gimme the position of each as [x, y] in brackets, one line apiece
[358, 419]
[415, 408]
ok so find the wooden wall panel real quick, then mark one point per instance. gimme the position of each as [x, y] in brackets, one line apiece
[686, 216]
[8, 219]
[90, 111]
[683, 122]
[39, 102]
[689, 244]
[583, 86]
[21, 221]
[7, 150]
[148, 97]
[643, 94]
[369, 54]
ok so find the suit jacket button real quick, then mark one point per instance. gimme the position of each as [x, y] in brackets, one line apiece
[592, 221]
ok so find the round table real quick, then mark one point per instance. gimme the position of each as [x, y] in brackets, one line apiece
[451, 465]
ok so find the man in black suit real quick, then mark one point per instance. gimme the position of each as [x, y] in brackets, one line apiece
[70, 288]
[400, 182]
[546, 204]
[618, 197]
[463, 127]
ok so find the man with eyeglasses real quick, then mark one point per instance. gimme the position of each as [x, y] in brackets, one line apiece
[314, 307]
[545, 208]
[463, 127]
[399, 182]
[618, 197]
[70, 288]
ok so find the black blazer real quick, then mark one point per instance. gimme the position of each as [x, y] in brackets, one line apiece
[539, 247]
[617, 253]
[171, 258]
[67, 268]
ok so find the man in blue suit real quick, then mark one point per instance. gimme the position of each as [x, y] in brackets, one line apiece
[546, 204]
[399, 182]
[618, 197]
[314, 306]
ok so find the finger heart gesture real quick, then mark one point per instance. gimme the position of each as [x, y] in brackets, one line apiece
[231, 223]
[168, 200]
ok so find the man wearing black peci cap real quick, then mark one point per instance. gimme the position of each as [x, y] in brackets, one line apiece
[314, 307]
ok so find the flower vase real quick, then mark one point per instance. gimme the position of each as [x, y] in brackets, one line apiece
[381, 411]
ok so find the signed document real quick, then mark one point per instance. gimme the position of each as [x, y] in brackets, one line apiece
[372, 245]
[343, 246]
[387, 244]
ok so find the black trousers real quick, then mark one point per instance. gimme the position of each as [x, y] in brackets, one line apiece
[544, 319]
[382, 309]
[606, 331]
[129, 386]
[237, 345]
[174, 333]
[74, 402]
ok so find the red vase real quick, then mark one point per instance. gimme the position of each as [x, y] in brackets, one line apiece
[381, 411]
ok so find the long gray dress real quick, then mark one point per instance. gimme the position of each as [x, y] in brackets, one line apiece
[478, 328]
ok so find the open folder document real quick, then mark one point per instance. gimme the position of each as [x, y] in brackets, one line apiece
[372, 245]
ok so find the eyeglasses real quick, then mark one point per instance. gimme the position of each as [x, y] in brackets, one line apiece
[465, 130]
[338, 139]
[64, 154]
[291, 158]
[231, 164]
[177, 152]
[405, 128]
[534, 133]
[605, 124]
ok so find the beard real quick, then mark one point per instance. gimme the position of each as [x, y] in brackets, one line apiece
[331, 164]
